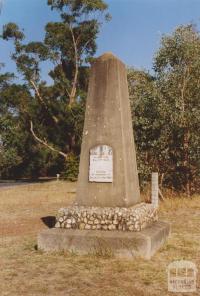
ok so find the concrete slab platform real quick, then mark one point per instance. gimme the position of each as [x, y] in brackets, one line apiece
[121, 244]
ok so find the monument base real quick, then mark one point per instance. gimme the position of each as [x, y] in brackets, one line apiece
[133, 218]
[120, 244]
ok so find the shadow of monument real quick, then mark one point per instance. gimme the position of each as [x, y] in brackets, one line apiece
[49, 221]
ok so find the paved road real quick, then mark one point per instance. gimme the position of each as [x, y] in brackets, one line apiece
[13, 184]
[8, 184]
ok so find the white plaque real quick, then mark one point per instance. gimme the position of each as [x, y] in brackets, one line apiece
[101, 164]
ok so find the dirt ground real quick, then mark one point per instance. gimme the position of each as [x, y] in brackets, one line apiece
[24, 270]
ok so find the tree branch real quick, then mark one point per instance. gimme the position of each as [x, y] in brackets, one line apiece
[55, 119]
[86, 43]
[44, 142]
[185, 78]
[73, 90]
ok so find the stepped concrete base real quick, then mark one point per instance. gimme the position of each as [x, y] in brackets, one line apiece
[120, 244]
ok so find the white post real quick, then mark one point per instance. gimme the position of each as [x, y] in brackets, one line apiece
[154, 189]
[58, 177]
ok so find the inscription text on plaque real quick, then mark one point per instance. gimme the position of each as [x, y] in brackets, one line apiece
[101, 164]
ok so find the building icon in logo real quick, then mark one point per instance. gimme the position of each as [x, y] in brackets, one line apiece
[182, 276]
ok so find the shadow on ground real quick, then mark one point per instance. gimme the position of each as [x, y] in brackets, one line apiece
[49, 221]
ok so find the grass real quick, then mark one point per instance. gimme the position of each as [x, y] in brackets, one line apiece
[26, 271]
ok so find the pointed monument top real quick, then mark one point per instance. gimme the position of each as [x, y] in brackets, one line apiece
[107, 56]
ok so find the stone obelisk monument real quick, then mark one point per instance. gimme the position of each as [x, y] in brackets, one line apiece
[108, 215]
[108, 170]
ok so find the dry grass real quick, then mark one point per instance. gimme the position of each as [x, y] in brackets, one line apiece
[26, 271]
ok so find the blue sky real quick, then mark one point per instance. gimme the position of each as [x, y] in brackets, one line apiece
[133, 34]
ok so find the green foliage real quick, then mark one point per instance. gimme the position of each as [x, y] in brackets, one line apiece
[177, 67]
[71, 168]
[12, 31]
[35, 116]
[78, 7]
[166, 112]
[145, 122]
[9, 159]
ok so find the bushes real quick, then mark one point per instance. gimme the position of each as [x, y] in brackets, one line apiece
[166, 112]
[71, 168]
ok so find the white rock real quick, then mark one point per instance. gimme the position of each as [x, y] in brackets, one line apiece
[87, 226]
[111, 227]
[131, 228]
[73, 221]
[57, 225]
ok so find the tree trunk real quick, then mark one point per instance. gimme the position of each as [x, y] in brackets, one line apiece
[186, 161]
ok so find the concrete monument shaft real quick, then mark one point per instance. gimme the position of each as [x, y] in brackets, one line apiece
[108, 122]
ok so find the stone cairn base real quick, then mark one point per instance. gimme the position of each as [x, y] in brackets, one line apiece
[133, 218]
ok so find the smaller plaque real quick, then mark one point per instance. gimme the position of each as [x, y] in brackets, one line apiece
[101, 164]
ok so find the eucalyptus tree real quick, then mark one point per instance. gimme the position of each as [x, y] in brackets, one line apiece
[166, 108]
[177, 66]
[55, 112]
[146, 123]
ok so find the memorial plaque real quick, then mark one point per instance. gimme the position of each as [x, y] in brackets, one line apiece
[101, 164]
